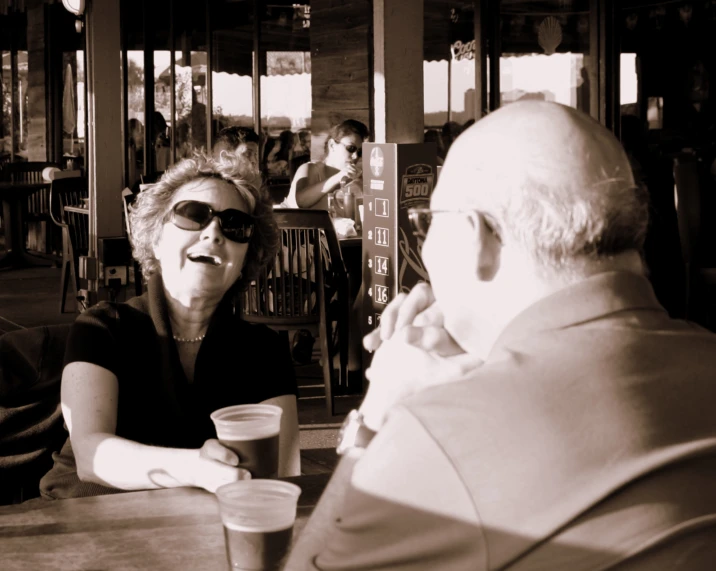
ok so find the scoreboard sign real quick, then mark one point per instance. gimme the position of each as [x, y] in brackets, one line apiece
[395, 178]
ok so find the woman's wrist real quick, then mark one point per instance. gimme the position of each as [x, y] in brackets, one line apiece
[183, 467]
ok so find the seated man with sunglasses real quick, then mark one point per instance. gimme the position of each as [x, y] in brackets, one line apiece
[141, 378]
[534, 407]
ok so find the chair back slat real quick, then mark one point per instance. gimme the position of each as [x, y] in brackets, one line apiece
[289, 293]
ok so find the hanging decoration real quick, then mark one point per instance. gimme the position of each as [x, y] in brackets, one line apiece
[685, 13]
[517, 25]
[549, 35]
[583, 26]
[657, 16]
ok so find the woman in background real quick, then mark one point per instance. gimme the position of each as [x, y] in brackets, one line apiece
[315, 180]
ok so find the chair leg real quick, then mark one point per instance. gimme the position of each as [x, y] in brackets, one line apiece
[327, 359]
[64, 284]
[343, 341]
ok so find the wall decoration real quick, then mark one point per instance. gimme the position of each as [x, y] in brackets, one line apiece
[550, 35]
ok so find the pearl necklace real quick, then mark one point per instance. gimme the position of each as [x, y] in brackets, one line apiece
[183, 340]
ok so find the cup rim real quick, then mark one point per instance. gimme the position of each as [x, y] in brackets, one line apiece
[291, 490]
[271, 411]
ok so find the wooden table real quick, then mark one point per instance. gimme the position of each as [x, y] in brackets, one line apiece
[14, 201]
[169, 529]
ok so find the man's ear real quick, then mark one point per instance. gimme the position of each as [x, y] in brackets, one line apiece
[489, 249]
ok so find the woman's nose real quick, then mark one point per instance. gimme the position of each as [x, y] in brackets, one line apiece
[213, 231]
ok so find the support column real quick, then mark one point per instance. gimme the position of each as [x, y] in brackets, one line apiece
[398, 71]
[37, 143]
[340, 66]
[105, 130]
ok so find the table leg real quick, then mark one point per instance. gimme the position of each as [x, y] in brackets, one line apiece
[16, 256]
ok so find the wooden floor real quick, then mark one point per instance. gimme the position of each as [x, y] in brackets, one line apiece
[30, 297]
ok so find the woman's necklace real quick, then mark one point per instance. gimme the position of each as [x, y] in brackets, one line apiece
[184, 340]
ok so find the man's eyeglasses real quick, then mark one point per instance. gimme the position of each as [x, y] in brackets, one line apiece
[193, 215]
[421, 218]
[352, 149]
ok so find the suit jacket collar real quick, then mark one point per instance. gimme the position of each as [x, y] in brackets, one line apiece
[593, 298]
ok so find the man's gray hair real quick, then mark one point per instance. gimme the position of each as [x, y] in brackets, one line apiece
[560, 226]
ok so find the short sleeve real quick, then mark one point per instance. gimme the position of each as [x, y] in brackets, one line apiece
[92, 338]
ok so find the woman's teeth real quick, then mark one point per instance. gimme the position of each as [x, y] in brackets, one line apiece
[205, 259]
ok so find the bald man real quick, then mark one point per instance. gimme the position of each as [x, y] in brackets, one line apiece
[537, 408]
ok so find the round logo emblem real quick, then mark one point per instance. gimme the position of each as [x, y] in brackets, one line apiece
[376, 161]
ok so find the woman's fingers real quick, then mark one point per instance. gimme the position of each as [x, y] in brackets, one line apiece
[216, 475]
[214, 450]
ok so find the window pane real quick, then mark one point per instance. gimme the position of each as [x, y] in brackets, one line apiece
[448, 70]
[22, 125]
[545, 53]
[285, 89]
[232, 37]
[159, 14]
[6, 125]
[190, 79]
[73, 109]
[133, 23]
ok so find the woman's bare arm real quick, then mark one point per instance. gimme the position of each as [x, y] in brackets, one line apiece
[307, 194]
[89, 405]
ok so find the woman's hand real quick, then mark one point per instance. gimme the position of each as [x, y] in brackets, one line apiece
[216, 465]
[352, 171]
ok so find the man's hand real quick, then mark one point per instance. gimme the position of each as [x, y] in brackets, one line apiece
[420, 317]
[413, 351]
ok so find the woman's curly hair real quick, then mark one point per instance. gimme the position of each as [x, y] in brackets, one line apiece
[153, 205]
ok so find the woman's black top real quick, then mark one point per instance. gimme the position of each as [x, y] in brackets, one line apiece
[237, 363]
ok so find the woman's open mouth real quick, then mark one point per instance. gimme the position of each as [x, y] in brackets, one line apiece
[204, 258]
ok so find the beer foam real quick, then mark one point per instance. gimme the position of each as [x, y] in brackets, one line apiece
[246, 431]
[258, 528]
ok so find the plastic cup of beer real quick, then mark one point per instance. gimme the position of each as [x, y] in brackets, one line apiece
[258, 518]
[251, 430]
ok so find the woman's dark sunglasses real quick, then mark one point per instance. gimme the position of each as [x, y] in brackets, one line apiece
[236, 225]
[352, 149]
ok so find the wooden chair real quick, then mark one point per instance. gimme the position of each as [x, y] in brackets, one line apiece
[306, 288]
[75, 229]
[127, 199]
[38, 203]
[689, 214]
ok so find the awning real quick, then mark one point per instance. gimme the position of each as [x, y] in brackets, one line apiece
[277, 63]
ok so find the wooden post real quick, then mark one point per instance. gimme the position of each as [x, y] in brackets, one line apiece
[36, 88]
[340, 66]
[104, 136]
[398, 71]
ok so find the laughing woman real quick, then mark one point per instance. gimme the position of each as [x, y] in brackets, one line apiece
[141, 378]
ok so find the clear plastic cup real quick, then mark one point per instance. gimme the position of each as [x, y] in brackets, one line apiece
[258, 518]
[252, 431]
